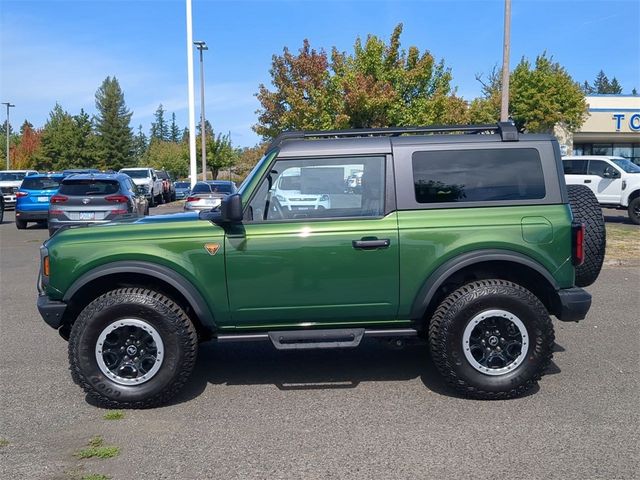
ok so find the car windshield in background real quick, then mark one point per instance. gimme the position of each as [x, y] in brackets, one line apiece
[201, 188]
[42, 183]
[163, 175]
[182, 185]
[220, 187]
[89, 187]
[11, 177]
[627, 165]
[136, 173]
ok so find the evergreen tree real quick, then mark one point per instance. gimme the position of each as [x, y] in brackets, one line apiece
[601, 84]
[587, 88]
[174, 131]
[85, 147]
[140, 146]
[159, 128]
[115, 138]
[615, 87]
[634, 91]
[185, 135]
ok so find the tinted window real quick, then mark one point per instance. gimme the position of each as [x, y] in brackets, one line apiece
[41, 183]
[316, 188]
[598, 167]
[136, 173]
[162, 175]
[182, 185]
[89, 187]
[477, 175]
[221, 188]
[575, 167]
[201, 188]
[11, 176]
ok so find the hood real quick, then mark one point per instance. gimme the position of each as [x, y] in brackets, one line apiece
[141, 181]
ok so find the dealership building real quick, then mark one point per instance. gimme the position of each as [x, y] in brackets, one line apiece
[611, 128]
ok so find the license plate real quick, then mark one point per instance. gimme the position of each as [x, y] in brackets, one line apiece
[43, 199]
[87, 215]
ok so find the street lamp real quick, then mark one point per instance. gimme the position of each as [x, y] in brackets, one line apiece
[9, 105]
[504, 104]
[201, 45]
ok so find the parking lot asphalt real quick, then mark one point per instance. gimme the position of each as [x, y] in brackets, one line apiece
[376, 412]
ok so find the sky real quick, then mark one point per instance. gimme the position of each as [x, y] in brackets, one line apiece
[61, 51]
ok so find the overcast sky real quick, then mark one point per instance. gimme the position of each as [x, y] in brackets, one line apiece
[60, 51]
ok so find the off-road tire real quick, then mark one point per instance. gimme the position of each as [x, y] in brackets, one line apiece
[21, 224]
[634, 210]
[457, 310]
[169, 320]
[587, 210]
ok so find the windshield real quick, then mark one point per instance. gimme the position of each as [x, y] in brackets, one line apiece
[182, 185]
[626, 165]
[11, 176]
[290, 183]
[221, 187]
[201, 188]
[136, 173]
[89, 187]
[41, 183]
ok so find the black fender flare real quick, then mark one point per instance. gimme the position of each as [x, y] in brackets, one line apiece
[453, 265]
[161, 272]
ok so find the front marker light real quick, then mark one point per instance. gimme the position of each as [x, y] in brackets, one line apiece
[45, 266]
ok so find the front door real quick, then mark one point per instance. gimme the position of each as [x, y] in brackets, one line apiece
[314, 251]
[605, 181]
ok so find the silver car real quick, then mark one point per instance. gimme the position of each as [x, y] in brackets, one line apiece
[208, 195]
[95, 198]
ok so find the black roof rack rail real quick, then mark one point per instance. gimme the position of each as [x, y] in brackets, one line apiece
[507, 131]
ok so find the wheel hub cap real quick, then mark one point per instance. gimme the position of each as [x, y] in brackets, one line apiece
[129, 351]
[495, 342]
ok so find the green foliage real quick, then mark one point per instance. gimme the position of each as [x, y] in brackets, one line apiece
[159, 128]
[113, 415]
[545, 95]
[96, 449]
[67, 142]
[602, 85]
[220, 153]
[140, 145]
[169, 156]
[247, 158]
[175, 134]
[115, 139]
[377, 85]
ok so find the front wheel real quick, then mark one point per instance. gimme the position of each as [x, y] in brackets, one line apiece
[634, 210]
[132, 348]
[491, 339]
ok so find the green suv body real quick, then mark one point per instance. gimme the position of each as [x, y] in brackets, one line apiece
[466, 239]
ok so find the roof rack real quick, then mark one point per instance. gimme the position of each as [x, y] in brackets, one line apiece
[507, 131]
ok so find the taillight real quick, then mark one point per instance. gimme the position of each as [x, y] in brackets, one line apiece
[192, 199]
[117, 199]
[118, 212]
[577, 234]
[21, 194]
[59, 199]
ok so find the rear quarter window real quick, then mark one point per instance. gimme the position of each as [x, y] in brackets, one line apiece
[477, 175]
[89, 187]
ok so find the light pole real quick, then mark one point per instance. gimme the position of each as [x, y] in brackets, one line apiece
[504, 108]
[9, 105]
[201, 45]
[193, 175]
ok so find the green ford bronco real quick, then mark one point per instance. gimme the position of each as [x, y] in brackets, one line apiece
[465, 236]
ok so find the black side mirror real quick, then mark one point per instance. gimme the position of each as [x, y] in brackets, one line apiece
[231, 208]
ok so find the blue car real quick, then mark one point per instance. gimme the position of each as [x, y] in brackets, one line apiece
[182, 189]
[33, 196]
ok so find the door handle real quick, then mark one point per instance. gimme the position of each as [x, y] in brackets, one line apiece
[587, 181]
[371, 244]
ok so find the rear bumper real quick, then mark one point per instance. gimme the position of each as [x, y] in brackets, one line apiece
[51, 311]
[32, 215]
[574, 304]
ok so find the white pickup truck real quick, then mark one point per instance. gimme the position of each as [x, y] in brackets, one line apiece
[148, 181]
[614, 180]
[10, 181]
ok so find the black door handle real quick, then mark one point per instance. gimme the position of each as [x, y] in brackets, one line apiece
[371, 244]
[587, 181]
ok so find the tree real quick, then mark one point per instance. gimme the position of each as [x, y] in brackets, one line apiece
[159, 128]
[377, 85]
[634, 92]
[540, 97]
[614, 87]
[59, 136]
[25, 153]
[14, 139]
[247, 158]
[174, 131]
[170, 156]
[115, 138]
[140, 145]
[602, 85]
[220, 153]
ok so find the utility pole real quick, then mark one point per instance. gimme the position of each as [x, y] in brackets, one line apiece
[193, 173]
[8, 131]
[201, 45]
[504, 108]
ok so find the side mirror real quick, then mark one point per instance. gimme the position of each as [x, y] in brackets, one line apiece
[231, 208]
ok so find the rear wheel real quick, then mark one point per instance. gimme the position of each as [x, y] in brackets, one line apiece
[132, 348]
[491, 339]
[586, 210]
[21, 224]
[634, 210]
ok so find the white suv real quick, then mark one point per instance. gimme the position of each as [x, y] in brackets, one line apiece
[10, 181]
[288, 191]
[614, 180]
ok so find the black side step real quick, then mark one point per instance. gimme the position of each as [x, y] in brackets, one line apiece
[304, 339]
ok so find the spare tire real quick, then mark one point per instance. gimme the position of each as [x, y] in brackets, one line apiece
[586, 210]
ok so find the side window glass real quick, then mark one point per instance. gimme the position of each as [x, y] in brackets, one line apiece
[317, 188]
[575, 167]
[597, 167]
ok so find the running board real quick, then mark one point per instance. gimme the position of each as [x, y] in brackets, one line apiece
[309, 339]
